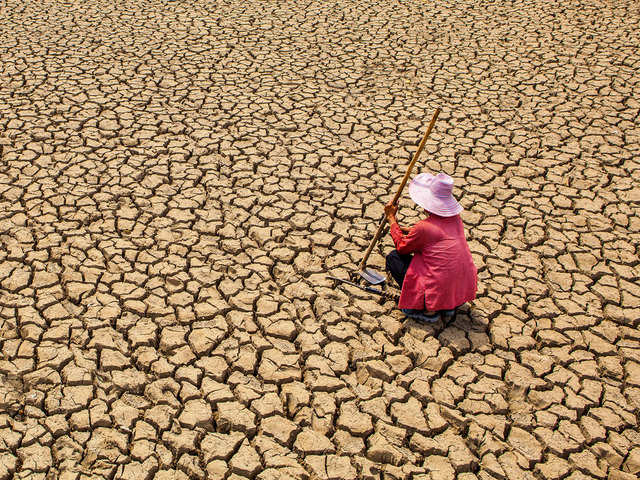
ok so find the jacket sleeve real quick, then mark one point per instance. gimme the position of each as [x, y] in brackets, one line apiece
[410, 243]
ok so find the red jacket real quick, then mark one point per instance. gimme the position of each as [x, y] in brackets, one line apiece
[442, 274]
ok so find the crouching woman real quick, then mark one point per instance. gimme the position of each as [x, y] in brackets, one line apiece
[432, 262]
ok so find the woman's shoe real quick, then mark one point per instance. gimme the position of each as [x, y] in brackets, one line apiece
[421, 315]
[448, 314]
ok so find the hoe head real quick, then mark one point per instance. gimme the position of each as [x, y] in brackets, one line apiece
[371, 276]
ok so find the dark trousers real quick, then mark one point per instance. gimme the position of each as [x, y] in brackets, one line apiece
[398, 265]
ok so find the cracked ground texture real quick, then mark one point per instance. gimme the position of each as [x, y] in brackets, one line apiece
[177, 179]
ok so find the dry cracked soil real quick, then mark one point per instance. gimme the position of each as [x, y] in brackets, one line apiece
[178, 178]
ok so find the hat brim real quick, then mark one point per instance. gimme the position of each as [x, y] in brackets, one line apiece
[444, 207]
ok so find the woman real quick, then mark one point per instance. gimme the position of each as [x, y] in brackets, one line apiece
[432, 262]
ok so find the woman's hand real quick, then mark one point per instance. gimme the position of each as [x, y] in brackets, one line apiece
[405, 230]
[390, 211]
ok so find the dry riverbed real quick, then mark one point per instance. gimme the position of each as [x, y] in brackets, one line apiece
[177, 178]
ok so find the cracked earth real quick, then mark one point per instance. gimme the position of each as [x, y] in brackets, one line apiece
[178, 178]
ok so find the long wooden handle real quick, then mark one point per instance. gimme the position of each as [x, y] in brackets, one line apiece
[373, 243]
[415, 156]
[400, 189]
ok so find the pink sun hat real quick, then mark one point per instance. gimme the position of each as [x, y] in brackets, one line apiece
[434, 194]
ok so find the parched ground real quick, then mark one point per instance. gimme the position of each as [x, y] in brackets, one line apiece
[178, 178]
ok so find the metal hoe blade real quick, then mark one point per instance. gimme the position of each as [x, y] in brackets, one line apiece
[372, 276]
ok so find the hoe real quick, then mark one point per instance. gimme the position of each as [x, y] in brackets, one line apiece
[369, 274]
